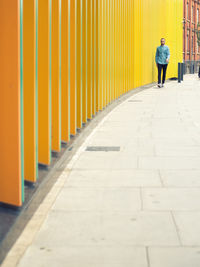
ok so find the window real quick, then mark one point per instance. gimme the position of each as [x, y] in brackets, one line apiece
[197, 15]
[192, 46]
[188, 43]
[187, 10]
[192, 15]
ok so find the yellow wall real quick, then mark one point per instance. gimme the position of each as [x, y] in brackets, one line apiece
[87, 53]
[160, 18]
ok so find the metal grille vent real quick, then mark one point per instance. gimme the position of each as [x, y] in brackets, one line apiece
[134, 100]
[103, 148]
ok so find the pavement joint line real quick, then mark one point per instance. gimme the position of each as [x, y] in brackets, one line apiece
[141, 199]
[161, 180]
[176, 227]
[147, 257]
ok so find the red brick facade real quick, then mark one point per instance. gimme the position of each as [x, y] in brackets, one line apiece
[191, 16]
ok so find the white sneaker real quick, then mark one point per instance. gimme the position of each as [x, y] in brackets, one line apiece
[159, 85]
[162, 84]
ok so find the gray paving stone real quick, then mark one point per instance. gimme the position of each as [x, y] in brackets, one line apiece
[171, 199]
[98, 199]
[113, 178]
[189, 227]
[91, 160]
[174, 257]
[63, 229]
[176, 142]
[169, 163]
[85, 257]
[180, 178]
[178, 151]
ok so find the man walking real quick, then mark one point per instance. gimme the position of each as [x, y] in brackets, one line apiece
[162, 60]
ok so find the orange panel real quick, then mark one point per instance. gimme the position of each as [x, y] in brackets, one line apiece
[10, 103]
[93, 57]
[55, 78]
[84, 61]
[89, 59]
[29, 75]
[104, 52]
[79, 63]
[65, 68]
[107, 52]
[100, 53]
[44, 86]
[73, 118]
[97, 53]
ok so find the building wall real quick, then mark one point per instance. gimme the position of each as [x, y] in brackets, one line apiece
[72, 59]
[191, 17]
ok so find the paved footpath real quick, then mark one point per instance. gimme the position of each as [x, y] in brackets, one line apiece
[136, 206]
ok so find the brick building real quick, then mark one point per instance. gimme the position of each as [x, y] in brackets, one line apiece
[191, 51]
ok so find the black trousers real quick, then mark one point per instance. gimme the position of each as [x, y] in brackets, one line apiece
[160, 68]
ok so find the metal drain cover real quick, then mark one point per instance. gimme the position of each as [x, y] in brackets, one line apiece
[134, 100]
[103, 148]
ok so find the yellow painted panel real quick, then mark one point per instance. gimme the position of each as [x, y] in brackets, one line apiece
[73, 90]
[65, 74]
[29, 84]
[117, 48]
[100, 55]
[111, 52]
[104, 54]
[97, 53]
[84, 61]
[120, 48]
[89, 59]
[55, 77]
[79, 63]
[107, 52]
[114, 50]
[93, 57]
[44, 87]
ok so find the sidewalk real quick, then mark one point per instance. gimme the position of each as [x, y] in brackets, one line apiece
[136, 205]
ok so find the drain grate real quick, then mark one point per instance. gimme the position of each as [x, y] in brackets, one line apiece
[103, 148]
[134, 100]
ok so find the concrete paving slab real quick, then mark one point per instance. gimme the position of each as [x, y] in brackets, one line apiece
[174, 257]
[163, 199]
[113, 178]
[181, 178]
[117, 161]
[85, 257]
[98, 199]
[169, 141]
[178, 151]
[188, 227]
[169, 163]
[63, 229]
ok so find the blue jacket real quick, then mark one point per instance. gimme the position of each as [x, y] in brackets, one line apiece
[162, 53]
